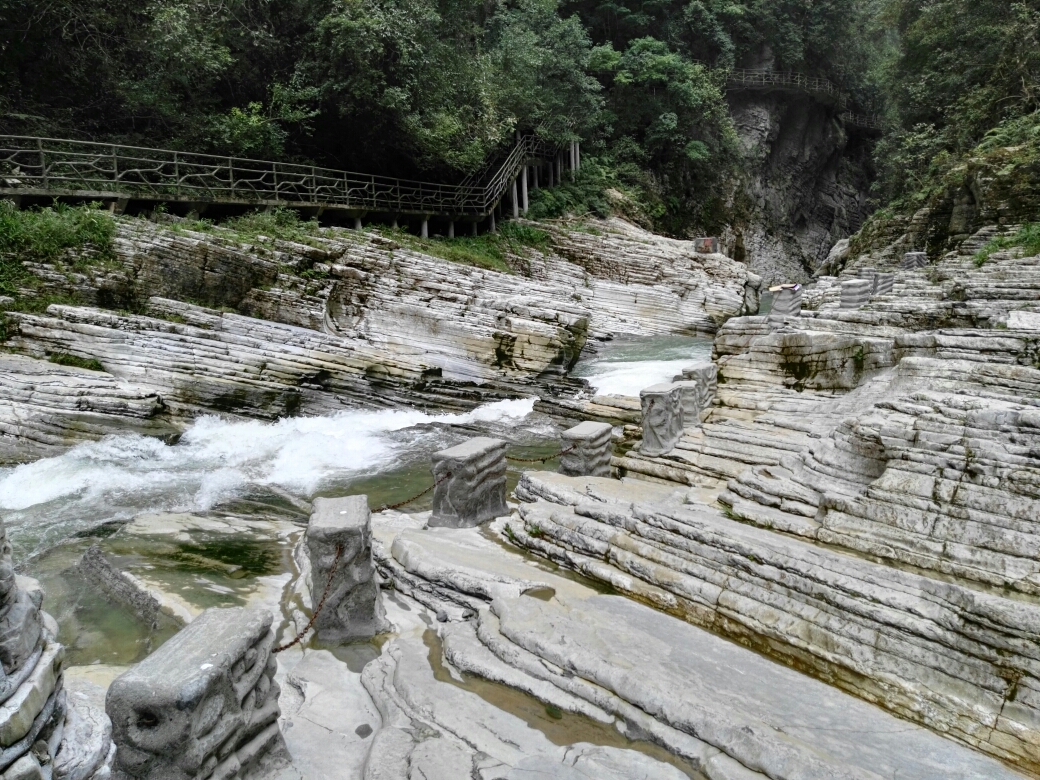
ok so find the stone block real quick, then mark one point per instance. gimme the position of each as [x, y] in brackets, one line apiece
[353, 608]
[884, 284]
[475, 491]
[698, 397]
[24, 706]
[868, 273]
[856, 292]
[787, 302]
[205, 704]
[912, 260]
[662, 418]
[706, 246]
[25, 768]
[592, 445]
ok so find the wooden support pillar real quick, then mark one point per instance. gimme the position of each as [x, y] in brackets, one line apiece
[451, 229]
[523, 191]
[357, 223]
[424, 230]
[516, 201]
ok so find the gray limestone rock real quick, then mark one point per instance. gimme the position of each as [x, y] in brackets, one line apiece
[471, 484]
[205, 703]
[25, 768]
[120, 587]
[662, 418]
[856, 292]
[912, 260]
[87, 737]
[590, 445]
[353, 608]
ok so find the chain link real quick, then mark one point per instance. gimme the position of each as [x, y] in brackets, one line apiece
[416, 497]
[546, 459]
[321, 604]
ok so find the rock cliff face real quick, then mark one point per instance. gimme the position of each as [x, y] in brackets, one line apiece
[861, 503]
[804, 186]
[273, 328]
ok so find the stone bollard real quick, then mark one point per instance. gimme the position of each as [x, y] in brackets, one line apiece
[592, 446]
[912, 260]
[706, 246]
[868, 273]
[205, 704]
[856, 292]
[884, 284]
[475, 491]
[700, 382]
[662, 418]
[353, 608]
[787, 301]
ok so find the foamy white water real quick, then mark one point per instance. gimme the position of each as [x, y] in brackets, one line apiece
[215, 461]
[627, 366]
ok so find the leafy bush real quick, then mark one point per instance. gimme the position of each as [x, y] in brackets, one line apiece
[1027, 239]
[48, 234]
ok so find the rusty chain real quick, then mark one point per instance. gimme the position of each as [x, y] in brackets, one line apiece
[545, 459]
[416, 497]
[325, 595]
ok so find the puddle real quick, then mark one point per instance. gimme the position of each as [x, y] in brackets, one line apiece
[558, 726]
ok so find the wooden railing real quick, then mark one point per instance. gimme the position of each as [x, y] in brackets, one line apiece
[30, 165]
[769, 79]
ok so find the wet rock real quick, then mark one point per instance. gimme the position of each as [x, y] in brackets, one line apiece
[339, 546]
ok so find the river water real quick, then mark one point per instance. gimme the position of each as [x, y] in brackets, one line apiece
[626, 366]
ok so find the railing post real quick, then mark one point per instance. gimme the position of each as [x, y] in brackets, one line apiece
[276, 196]
[115, 166]
[176, 175]
[43, 162]
[314, 184]
[231, 173]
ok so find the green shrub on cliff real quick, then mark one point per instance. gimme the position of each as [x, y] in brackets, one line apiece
[1026, 239]
[50, 234]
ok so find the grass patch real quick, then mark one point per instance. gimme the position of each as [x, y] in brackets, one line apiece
[1027, 239]
[282, 224]
[47, 235]
[490, 250]
[64, 359]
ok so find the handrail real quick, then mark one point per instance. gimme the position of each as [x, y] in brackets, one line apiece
[751, 79]
[29, 163]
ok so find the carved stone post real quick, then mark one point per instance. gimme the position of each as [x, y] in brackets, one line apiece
[205, 704]
[856, 292]
[590, 448]
[868, 273]
[884, 284]
[471, 484]
[912, 260]
[353, 608]
[699, 383]
[787, 302]
[662, 418]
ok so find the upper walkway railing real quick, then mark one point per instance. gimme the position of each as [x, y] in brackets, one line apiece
[814, 85]
[48, 166]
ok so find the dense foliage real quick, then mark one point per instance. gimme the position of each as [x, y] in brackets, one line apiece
[439, 87]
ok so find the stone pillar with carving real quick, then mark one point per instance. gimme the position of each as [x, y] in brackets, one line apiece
[587, 448]
[339, 546]
[470, 484]
[856, 292]
[662, 418]
[912, 260]
[699, 382]
[205, 704]
[884, 284]
[787, 302]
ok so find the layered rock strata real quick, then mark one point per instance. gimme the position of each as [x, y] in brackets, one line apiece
[859, 504]
[350, 319]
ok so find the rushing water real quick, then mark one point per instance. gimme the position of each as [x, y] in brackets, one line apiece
[626, 366]
[218, 463]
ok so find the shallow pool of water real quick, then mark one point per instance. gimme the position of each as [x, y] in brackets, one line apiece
[626, 366]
